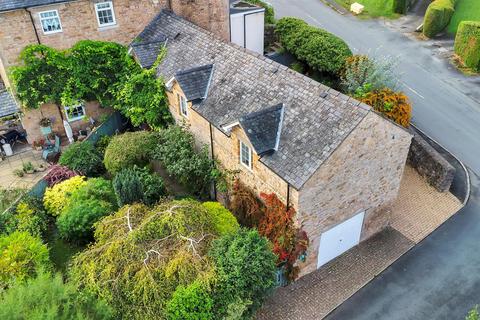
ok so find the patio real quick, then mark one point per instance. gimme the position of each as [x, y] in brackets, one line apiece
[23, 154]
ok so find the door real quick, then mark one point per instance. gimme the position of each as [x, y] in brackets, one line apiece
[340, 238]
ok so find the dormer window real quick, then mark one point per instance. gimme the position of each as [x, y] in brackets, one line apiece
[245, 155]
[182, 101]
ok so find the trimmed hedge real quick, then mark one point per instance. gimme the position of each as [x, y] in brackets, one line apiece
[400, 6]
[320, 49]
[467, 44]
[437, 17]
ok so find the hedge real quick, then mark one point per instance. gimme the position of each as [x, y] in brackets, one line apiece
[400, 6]
[269, 11]
[467, 44]
[437, 17]
[320, 49]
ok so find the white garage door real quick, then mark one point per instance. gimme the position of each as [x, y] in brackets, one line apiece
[339, 239]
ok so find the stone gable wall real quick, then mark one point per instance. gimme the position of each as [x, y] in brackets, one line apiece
[363, 174]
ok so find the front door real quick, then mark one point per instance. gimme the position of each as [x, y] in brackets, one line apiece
[340, 238]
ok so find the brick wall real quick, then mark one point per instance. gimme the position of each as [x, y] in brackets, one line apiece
[363, 174]
[31, 118]
[79, 21]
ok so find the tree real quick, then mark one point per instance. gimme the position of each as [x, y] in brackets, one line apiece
[47, 297]
[141, 255]
[142, 98]
[245, 267]
[42, 76]
[193, 302]
[96, 67]
[22, 256]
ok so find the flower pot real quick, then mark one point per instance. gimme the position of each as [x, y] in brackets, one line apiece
[46, 130]
[30, 171]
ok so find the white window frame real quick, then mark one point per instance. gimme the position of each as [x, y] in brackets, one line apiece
[76, 118]
[113, 14]
[41, 21]
[249, 151]
[183, 105]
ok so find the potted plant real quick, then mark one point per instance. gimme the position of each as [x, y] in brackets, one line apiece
[28, 168]
[38, 145]
[45, 126]
[42, 167]
[19, 173]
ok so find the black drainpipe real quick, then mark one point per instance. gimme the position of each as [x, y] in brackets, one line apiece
[213, 160]
[33, 24]
[288, 196]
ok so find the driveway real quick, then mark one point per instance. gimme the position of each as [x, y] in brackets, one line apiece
[440, 277]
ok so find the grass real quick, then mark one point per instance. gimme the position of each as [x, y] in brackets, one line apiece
[373, 8]
[61, 252]
[465, 10]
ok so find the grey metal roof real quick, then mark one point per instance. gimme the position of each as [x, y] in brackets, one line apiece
[314, 125]
[8, 5]
[195, 82]
[8, 106]
[263, 128]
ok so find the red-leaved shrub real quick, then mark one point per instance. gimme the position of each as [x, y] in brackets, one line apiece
[58, 174]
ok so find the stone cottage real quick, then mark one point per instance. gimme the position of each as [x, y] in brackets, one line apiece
[332, 158]
[62, 23]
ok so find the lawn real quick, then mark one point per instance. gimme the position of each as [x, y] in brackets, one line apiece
[465, 10]
[373, 8]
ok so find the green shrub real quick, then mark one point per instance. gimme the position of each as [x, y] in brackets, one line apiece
[87, 205]
[102, 144]
[31, 217]
[320, 49]
[239, 282]
[437, 17]
[22, 256]
[138, 185]
[49, 298]
[194, 170]
[129, 149]
[190, 303]
[269, 10]
[82, 157]
[473, 314]
[57, 197]
[400, 6]
[224, 221]
[467, 44]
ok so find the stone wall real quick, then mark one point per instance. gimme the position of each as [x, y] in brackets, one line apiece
[438, 172]
[226, 150]
[31, 118]
[363, 174]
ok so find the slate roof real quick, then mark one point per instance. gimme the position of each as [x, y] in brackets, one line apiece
[195, 82]
[263, 128]
[8, 5]
[243, 82]
[147, 51]
[8, 106]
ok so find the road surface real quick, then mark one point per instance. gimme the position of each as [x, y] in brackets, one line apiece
[440, 277]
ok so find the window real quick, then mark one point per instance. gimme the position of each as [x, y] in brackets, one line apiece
[105, 14]
[245, 155]
[50, 21]
[75, 113]
[183, 105]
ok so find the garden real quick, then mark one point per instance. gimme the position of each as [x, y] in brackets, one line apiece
[326, 58]
[390, 9]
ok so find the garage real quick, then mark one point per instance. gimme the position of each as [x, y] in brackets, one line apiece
[340, 239]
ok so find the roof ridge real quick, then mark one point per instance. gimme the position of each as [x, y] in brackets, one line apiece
[198, 68]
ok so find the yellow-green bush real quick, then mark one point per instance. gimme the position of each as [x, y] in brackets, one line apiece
[223, 220]
[467, 44]
[437, 17]
[56, 198]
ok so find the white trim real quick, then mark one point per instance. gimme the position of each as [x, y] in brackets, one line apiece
[249, 167]
[279, 130]
[169, 84]
[113, 14]
[228, 127]
[209, 82]
[183, 99]
[58, 17]
[73, 119]
[247, 12]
